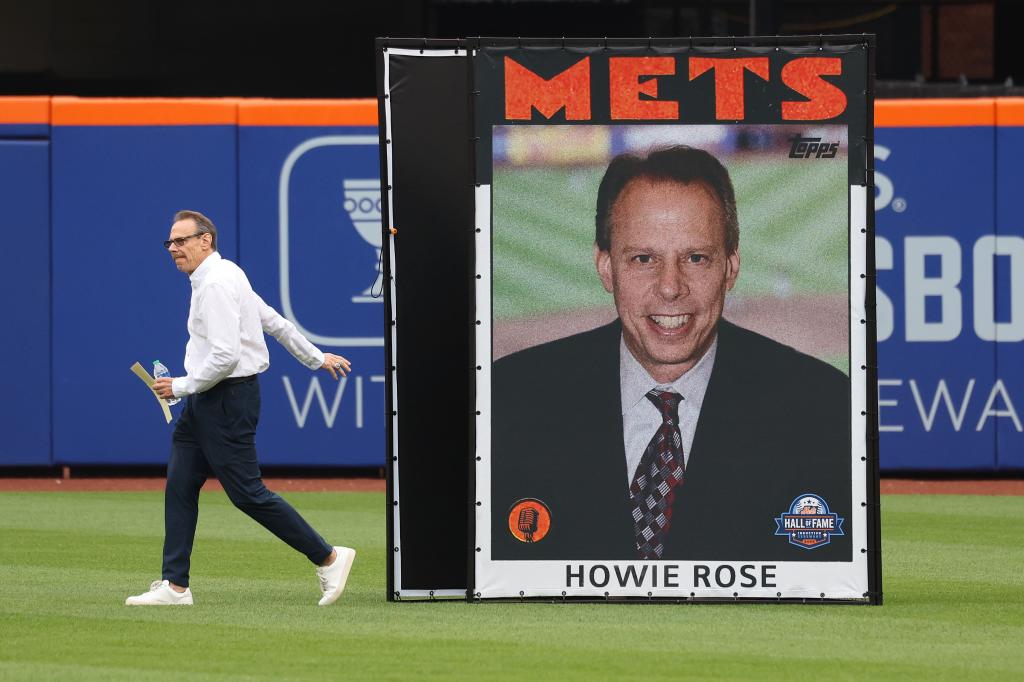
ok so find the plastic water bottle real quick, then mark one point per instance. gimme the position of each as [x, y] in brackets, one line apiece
[160, 371]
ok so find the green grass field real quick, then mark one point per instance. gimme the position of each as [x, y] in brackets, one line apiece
[793, 236]
[954, 606]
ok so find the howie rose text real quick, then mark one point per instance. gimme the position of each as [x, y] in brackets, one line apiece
[670, 575]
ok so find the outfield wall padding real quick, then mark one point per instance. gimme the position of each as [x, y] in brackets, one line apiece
[941, 153]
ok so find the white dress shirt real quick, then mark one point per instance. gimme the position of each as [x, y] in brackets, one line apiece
[226, 322]
[641, 419]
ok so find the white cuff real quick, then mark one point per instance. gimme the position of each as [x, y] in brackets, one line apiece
[178, 387]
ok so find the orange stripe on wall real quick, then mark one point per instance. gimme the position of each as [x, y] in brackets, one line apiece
[894, 113]
[1010, 111]
[930, 113]
[309, 112]
[25, 110]
[74, 111]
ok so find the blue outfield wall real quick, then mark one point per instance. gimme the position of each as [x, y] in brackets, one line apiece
[950, 259]
[25, 343]
[117, 297]
[295, 197]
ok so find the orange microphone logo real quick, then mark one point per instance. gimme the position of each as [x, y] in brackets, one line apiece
[529, 520]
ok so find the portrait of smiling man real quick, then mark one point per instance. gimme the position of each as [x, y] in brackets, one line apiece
[669, 433]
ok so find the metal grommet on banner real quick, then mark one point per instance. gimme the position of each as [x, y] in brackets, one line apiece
[398, 596]
[431, 595]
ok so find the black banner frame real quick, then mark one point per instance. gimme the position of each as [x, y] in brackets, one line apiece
[869, 368]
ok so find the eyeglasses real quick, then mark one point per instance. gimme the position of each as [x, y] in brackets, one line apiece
[180, 241]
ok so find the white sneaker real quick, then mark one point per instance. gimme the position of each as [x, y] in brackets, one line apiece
[161, 594]
[333, 577]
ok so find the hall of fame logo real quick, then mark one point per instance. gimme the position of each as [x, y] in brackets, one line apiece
[808, 523]
[529, 520]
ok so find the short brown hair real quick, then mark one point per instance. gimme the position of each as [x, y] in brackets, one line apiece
[681, 164]
[203, 224]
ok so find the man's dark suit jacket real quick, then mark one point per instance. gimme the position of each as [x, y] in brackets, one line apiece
[775, 424]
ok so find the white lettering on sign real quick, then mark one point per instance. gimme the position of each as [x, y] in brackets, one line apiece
[883, 304]
[888, 402]
[958, 404]
[985, 251]
[956, 417]
[944, 286]
[882, 182]
[315, 392]
[999, 390]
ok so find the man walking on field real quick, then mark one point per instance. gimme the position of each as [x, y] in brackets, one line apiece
[216, 431]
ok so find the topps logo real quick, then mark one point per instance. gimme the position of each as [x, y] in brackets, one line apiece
[807, 147]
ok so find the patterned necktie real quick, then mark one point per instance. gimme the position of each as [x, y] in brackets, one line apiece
[659, 472]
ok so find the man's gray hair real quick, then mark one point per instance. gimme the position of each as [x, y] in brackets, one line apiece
[203, 224]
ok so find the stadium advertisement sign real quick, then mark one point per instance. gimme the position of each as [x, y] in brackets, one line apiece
[675, 359]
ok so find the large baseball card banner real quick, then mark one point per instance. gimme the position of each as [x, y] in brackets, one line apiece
[675, 393]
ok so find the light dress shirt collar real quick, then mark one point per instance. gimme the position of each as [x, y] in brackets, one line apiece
[199, 274]
[641, 419]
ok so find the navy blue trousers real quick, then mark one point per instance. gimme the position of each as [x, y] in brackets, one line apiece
[216, 434]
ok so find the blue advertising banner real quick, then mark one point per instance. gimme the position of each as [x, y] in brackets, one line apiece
[310, 244]
[941, 399]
